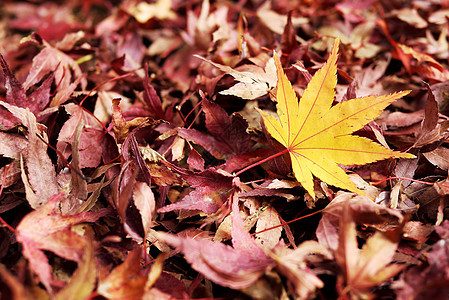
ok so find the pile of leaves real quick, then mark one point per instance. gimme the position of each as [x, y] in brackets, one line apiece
[224, 149]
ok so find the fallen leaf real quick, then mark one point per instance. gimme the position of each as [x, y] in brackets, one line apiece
[254, 81]
[47, 229]
[15, 94]
[417, 231]
[228, 134]
[293, 265]
[411, 16]
[82, 282]
[318, 136]
[211, 191]
[275, 21]
[430, 130]
[438, 157]
[230, 130]
[167, 287]
[367, 267]
[364, 211]
[126, 281]
[90, 140]
[235, 267]
[53, 60]
[40, 170]
[144, 201]
[430, 279]
[267, 219]
[143, 11]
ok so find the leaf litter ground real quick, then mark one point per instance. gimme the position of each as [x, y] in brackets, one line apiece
[158, 149]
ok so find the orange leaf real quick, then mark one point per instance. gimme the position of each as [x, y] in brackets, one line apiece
[318, 135]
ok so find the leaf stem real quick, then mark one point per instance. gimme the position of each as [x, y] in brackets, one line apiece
[261, 161]
[103, 83]
[193, 109]
[94, 89]
[403, 178]
[288, 222]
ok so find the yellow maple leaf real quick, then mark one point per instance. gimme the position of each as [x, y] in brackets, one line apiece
[318, 135]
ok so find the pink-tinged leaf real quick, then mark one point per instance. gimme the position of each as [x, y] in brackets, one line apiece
[11, 145]
[111, 24]
[195, 160]
[239, 161]
[70, 39]
[241, 239]
[199, 199]
[210, 178]
[235, 267]
[7, 119]
[11, 174]
[228, 130]
[215, 147]
[220, 263]
[212, 191]
[227, 135]
[15, 94]
[406, 168]
[40, 97]
[76, 113]
[53, 60]
[327, 231]
[417, 231]
[38, 264]
[64, 94]
[91, 143]
[270, 188]
[47, 229]
[443, 230]
[91, 138]
[144, 201]
[131, 47]
[40, 169]
[152, 99]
